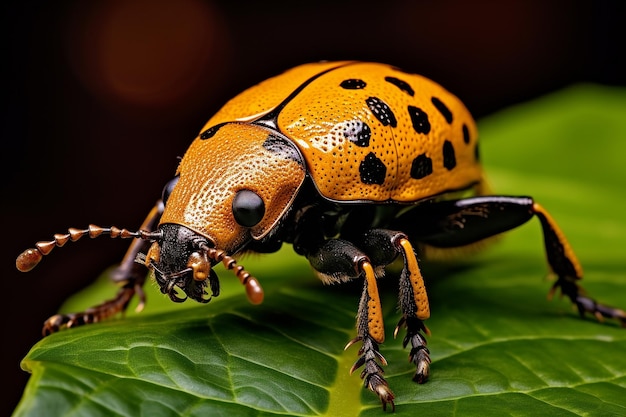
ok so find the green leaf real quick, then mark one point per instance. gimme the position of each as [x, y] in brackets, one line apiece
[499, 347]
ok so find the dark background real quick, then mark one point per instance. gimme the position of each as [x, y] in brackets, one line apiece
[100, 97]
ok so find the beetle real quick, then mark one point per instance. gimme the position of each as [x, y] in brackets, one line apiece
[355, 164]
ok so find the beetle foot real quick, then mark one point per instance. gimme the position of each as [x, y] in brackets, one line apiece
[600, 311]
[97, 313]
[372, 374]
[419, 354]
[586, 304]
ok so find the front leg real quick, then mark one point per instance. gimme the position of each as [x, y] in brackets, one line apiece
[130, 274]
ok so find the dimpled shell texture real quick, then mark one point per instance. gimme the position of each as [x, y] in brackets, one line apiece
[213, 170]
[368, 131]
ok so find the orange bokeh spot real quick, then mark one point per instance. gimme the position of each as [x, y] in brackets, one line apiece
[145, 52]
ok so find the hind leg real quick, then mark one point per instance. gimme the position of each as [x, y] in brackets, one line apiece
[456, 223]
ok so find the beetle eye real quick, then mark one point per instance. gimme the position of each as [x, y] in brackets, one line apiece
[248, 208]
[169, 187]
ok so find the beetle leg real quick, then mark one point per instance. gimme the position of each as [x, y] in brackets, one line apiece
[96, 313]
[415, 309]
[461, 223]
[338, 260]
[130, 274]
[371, 333]
[566, 267]
[384, 246]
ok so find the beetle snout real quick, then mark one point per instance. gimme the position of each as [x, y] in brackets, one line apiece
[180, 261]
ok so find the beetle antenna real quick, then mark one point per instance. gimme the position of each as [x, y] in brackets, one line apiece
[254, 291]
[29, 259]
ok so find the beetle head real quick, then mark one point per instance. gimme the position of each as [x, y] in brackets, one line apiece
[232, 186]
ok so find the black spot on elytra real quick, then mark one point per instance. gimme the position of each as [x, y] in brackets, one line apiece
[381, 110]
[357, 132]
[372, 170]
[210, 132]
[443, 109]
[449, 158]
[402, 85]
[421, 167]
[466, 135]
[353, 84]
[419, 118]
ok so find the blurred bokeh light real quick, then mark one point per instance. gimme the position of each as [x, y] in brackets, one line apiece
[146, 53]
